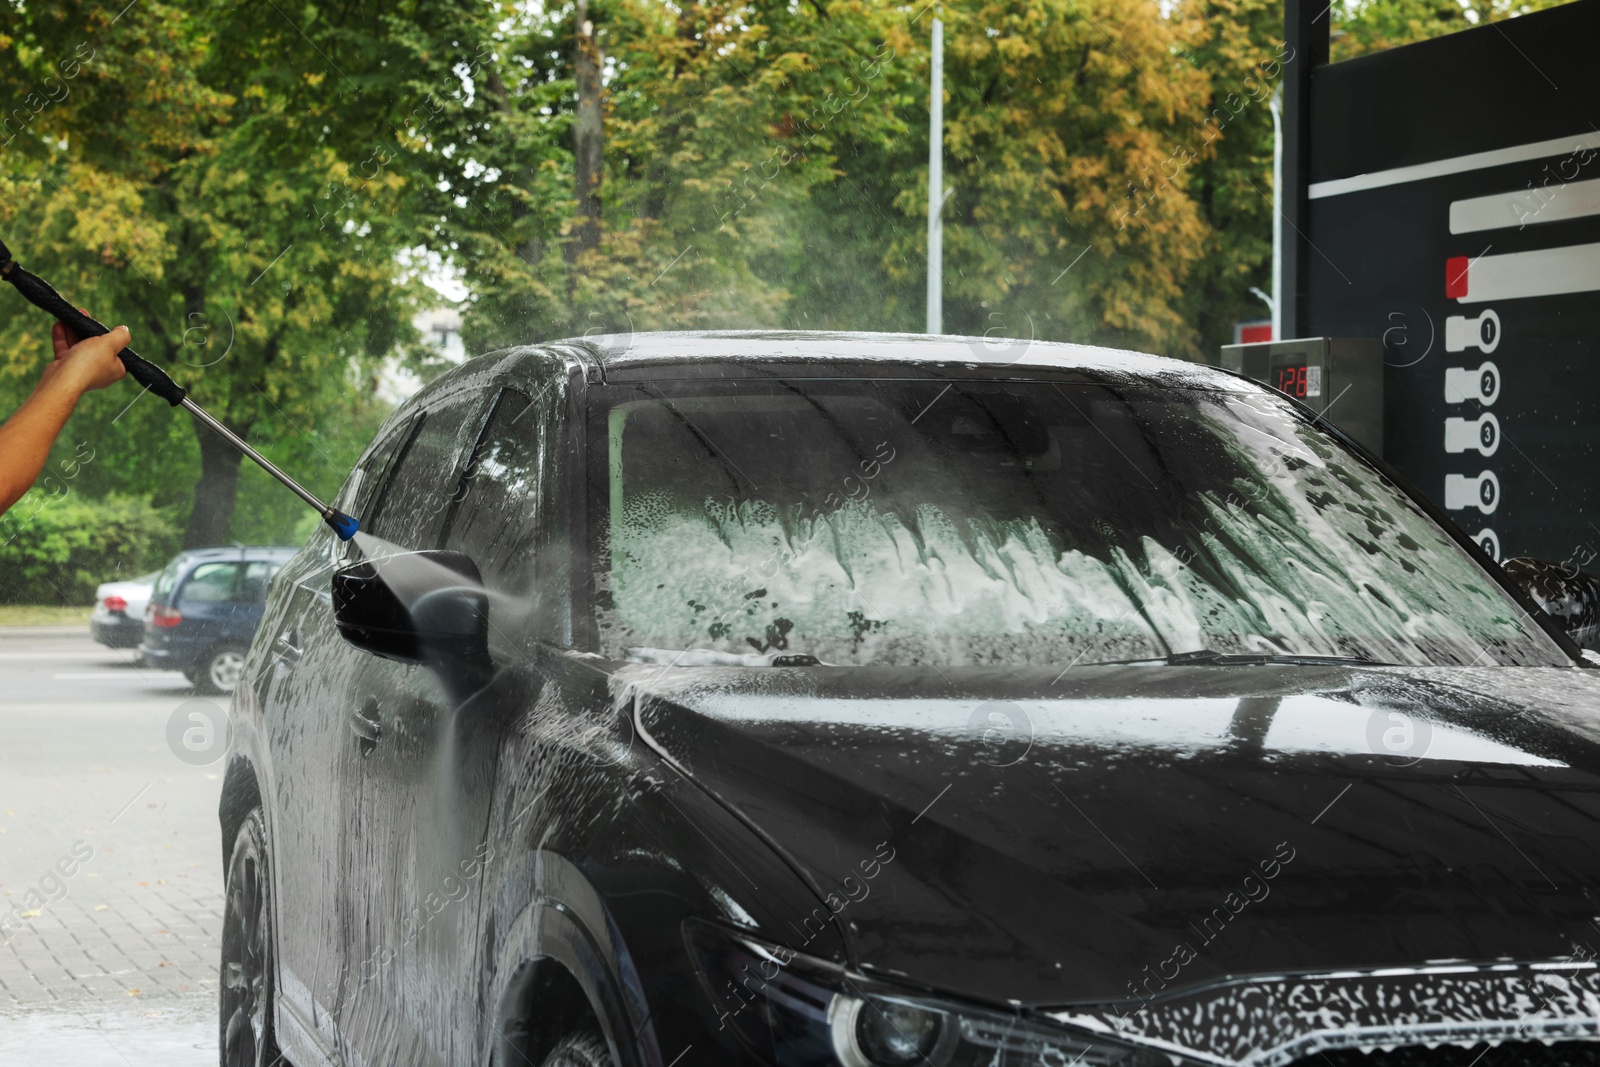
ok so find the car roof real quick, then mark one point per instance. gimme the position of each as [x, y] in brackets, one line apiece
[247, 552]
[646, 355]
[619, 351]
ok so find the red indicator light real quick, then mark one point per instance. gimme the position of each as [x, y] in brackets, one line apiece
[1455, 277]
[116, 603]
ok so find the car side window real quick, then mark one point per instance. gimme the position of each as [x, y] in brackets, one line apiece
[497, 498]
[210, 583]
[410, 511]
[356, 496]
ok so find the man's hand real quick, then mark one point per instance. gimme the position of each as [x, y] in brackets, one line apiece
[84, 365]
[79, 366]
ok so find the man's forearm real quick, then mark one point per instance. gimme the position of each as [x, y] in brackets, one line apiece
[26, 437]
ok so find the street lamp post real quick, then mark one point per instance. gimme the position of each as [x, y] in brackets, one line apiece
[936, 194]
[1275, 104]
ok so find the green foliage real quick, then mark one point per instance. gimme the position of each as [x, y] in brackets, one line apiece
[1362, 26]
[1070, 132]
[319, 454]
[766, 162]
[238, 241]
[248, 188]
[1239, 43]
[54, 549]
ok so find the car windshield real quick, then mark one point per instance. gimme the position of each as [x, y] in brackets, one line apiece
[907, 522]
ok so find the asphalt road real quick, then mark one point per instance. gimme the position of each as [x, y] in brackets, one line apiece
[110, 857]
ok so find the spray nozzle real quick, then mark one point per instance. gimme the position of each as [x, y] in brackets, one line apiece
[343, 525]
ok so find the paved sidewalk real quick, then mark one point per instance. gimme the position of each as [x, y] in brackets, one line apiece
[110, 861]
[172, 1034]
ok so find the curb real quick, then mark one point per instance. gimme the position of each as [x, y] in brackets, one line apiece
[81, 630]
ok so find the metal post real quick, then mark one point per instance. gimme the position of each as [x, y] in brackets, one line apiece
[936, 194]
[1275, 104]
[1305, 31]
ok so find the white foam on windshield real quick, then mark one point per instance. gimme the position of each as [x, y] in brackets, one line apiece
[1313, 554]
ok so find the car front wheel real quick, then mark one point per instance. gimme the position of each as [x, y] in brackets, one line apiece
[245, 1024]
[587, 1049]
[221, 671]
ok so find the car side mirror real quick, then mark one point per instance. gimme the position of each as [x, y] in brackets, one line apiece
[428, 608]
[1567, 594]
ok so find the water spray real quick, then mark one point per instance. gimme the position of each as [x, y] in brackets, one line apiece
[41, 294]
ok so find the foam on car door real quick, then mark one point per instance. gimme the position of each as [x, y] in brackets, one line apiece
[317, 774]
[443, 782]
[514, 523]
[398, 724]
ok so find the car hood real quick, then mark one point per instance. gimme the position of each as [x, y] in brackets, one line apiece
[1129, 833]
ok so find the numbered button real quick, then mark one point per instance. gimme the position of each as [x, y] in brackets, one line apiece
[1489, 541]
[1463, 491]
[1482, 433]
[1481, 383]
[1462, 332]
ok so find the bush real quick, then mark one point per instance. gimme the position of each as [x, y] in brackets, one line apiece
[56, 549]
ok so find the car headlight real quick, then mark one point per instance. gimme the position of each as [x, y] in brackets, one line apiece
[884, 1032]
[802, 1012]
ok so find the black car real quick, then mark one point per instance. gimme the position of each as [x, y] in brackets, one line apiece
[204, 610]
[868, 700]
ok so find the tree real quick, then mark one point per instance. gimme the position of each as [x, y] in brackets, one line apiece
[1072, 132]
[242, 242]
[246, 184]
[705, 117]
[763, 161]
[75, 158]
[1238, 47]
[1362, 26]
[588, 134]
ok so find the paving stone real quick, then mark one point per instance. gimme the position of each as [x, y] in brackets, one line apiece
[85, 765]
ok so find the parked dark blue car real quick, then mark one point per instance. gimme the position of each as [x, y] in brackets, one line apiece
[204, 611]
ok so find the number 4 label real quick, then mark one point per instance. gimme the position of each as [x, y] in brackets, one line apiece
[1464, 491]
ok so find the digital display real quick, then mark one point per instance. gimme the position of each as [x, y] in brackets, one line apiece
[1291, 373]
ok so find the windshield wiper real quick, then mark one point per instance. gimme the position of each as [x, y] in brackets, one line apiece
[1206, 657]
[709, 657]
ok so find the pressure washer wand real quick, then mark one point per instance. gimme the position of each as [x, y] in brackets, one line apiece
[40, 293]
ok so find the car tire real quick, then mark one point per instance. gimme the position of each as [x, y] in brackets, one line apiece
[220, 670]
[244, 1030]
[583, 1049]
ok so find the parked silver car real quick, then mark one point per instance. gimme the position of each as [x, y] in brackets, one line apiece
[118, 617]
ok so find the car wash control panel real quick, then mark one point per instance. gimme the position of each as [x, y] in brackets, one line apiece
[1471, 429]
[1338, 377]
[1453, 211]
